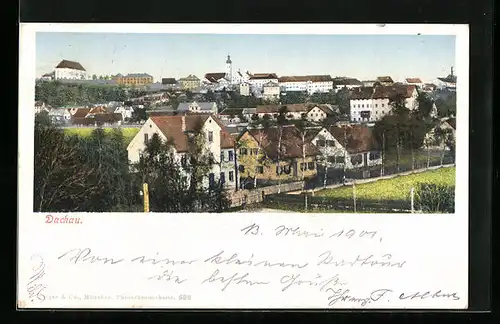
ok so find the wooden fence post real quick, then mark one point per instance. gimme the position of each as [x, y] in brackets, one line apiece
[354, 194]
[412, 197]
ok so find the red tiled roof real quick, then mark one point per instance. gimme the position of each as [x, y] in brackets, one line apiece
[452, 122]
[291, 142]
[171, 127]
[263, 76]
[385, 79]
[65, 64]
[413, 80]
[214, 77]
[81, 112]
[359, 138]
[305, 78]
[382, 92]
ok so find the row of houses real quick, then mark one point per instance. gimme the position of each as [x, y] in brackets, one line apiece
[86, 116]
[271, 153]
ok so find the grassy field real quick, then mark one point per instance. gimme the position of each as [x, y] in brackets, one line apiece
[397, 188]
[128, 132]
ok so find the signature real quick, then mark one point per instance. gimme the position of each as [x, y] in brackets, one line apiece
[343, 295]
[35, 287]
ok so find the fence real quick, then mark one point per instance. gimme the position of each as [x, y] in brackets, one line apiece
[252, 196]
[330, 177]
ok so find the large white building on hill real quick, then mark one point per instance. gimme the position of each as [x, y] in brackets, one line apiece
[70, 70]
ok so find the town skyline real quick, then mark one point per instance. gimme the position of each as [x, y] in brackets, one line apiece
[359, 56]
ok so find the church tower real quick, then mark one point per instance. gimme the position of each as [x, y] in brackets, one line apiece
[229, 70]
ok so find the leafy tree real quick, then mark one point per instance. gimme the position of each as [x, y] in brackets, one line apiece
[139, 114]
[446, 104]
[293, 97]
[62, 180]
[107, 155]
[342, 100]
[425, 105]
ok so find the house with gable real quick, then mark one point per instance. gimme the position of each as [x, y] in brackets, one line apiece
[60, 116]
[177, 130]
[369, 104]
[349, 146]
[259, 157]
[414, 81]
[198, 107]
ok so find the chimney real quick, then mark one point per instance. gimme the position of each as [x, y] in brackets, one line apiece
[183, 123]
[452, 71]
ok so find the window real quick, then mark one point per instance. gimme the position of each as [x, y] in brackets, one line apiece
[243, 151]
[146, 138]
[230, 155]
[374, 155]
[383, 105]
[231, 176]
[339, 159]
[184, 160]
[311, 166]
[321, 143]
[376, 105]
[241, 168]
[330, 143]
[210, 136]
[331, 159]
[222, 156]
[255, 151]
[286, 169]
[211, 179]
[222, 177]
[356, 159]
[259, 169]
[303, 166]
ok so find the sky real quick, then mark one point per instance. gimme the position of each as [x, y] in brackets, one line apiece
[177, 55]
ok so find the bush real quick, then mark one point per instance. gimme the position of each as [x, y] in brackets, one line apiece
[435, 198]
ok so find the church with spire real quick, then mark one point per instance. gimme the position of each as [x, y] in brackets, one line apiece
[229, 70]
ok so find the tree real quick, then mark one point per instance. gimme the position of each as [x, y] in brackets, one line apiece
[139, 115]
[301, 126]
[293, 97]
[342, 100]
[62, 181]
[106, 153]
[94, 77]
[424, 105]
[159, 169]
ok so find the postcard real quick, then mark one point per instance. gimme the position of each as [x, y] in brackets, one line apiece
[243, 166]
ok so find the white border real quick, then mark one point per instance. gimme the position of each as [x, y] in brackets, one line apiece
[27, 70]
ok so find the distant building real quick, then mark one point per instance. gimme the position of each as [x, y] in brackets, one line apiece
[134, 79]
[414, 81]
[258, 80]
[449, 82]
[345, 83]
[48, 76]
[368, 83]
[244, 89]
[169, 83]
[271, 91]
[190, 82]
[369, 104]
[309, 83]
[198, 107]
[59, 116]
[69, 70]
[385, 80]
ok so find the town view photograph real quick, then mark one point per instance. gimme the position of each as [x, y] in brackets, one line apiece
[244, 123]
